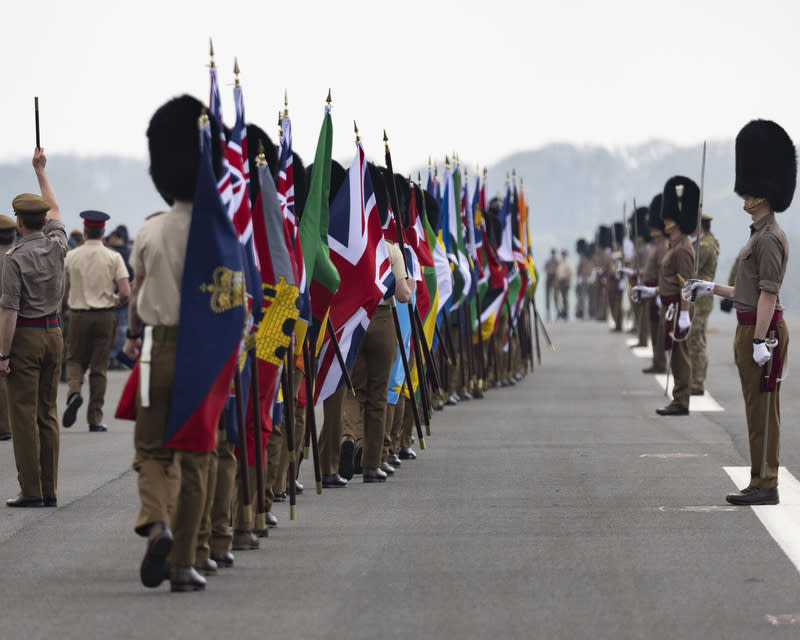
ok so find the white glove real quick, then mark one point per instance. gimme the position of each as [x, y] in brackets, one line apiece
[658, 301]
[760, 354]
[698, 288]
[580, 280]
[642, 292]
[627, 271]
[621, 285]
[684, 322]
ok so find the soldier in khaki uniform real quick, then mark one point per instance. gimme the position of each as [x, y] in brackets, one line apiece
[172, 482]
[641, 237]
[680, 201]
[583, 271]
[658, 247]
[604, 270]
[93, 273]
[707, 269]
[30, 339]
[8, 235]
[364, 416]
[766, 176]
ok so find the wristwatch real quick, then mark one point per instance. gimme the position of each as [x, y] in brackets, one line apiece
[758, 341]
[2, 357]
[132, 336]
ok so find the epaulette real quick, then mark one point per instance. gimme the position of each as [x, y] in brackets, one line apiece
[11, 250]
[153, 215]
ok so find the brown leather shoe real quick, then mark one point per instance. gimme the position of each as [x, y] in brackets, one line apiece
[673, 409]
[185, 579]
[159, 544]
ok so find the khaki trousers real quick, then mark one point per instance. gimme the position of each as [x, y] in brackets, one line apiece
[32, 391]
[370, 376]
[172, 482]
[89, 342]
[244, 520]
[330, 436]
[681, 367]
[221, 536]
[755, 404]
[698, 351]
[657, 341]
[5, 418]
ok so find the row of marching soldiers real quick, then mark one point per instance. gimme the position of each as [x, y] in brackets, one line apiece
[667, 268]
[358, 310]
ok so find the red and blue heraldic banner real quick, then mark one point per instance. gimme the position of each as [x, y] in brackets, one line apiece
[212, 317]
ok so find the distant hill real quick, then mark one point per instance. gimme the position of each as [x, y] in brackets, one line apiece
[572, 190]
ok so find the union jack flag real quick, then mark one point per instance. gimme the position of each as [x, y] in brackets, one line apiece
[358, 251]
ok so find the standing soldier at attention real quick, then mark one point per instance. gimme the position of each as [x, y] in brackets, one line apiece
[8, 235]
[766, 176]
[93, 273]
[659, 245]
[707, 269]
[680, 200]
[550, 268]
[584, 270]
[30, 339]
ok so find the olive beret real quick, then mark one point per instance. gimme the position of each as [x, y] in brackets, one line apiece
[29, 203]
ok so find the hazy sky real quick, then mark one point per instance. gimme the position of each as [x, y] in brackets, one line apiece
[484, 78]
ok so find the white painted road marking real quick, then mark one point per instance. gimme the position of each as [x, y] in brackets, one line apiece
[704, 403]
[673, 455]
[782, 521]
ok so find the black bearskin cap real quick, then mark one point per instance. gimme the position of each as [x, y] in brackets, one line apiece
[604, 237]
[300, 185]
[256, 134]
[619, 232]
[417, 191]
[590, 249]
[431, 210]
[403, 197]
[173, 141]
[338, 178]
[381, 194]
[766, 163]
[654, 219]
[683, 209]
[581, 246]
[638, 224]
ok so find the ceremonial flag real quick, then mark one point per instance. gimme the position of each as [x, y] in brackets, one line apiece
[450, 226]
[212, 317]
[286, 199]
[324, 279]
[360, 256]
[397, 376]
[504, 251]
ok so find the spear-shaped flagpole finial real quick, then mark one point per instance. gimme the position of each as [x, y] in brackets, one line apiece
[385, 141]
[211, 52]
[285, 103]
[508, 178]
[202, 121]
[419, 179]
[435, 171]
[447, 162]
[355, 128]
[485, 173]
[328, 99]
[236, 71]
[429, 162]
[514, 177]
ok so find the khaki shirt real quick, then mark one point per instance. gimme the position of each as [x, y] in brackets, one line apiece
[654, 257]
[159, 252]
[761, 264]
[551, 266]
[678, 259]
[4, 248]
[564, 271]
[584, 267]
[707, 269]
[398, 265]
[33, 276]
[92, 272]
